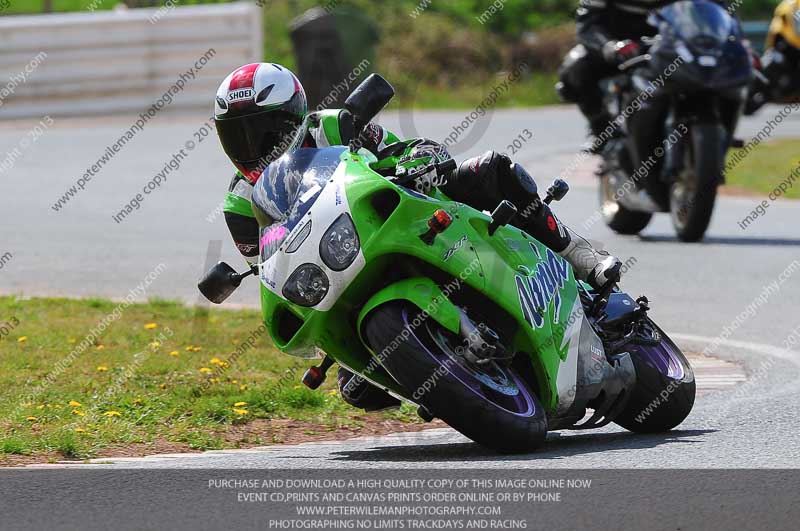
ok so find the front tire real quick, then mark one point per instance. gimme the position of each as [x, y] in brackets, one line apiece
[665, 388]
[693, 194]
[495, 408]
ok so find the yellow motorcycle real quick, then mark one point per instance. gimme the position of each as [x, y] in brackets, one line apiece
[780, 64]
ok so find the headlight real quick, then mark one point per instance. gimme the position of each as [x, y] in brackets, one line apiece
[339, 245]
[307, 286]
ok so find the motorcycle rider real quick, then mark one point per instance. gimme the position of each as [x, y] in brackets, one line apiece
[780, 65]
[261, 113]
[608, 34]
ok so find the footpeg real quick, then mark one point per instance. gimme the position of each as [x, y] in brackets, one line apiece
[315, 376]
[557, 191]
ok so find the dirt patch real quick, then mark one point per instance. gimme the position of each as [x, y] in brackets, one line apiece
[261, 432]
[736, 191]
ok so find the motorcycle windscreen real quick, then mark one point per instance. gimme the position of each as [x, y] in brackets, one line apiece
[287, 190]
[702, 24]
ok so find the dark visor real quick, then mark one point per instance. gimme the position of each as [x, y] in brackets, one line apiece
[265, 135]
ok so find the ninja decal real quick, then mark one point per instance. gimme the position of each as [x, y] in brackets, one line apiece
[542, 286]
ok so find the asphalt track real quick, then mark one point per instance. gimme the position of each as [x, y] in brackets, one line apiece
[696, 291]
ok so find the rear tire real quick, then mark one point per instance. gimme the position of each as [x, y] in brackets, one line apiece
[659, 401]
[617, 217]
[512, 421]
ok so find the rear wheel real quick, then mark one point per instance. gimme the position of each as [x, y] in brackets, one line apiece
[617, 217]
[665, 388]
[491, 404]
[694, 192]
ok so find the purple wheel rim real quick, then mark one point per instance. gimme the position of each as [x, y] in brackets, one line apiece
[664, 357]
[520, 403]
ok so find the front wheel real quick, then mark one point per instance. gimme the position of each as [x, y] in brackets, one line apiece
[665, 388]
[491, 404]
[694, 192]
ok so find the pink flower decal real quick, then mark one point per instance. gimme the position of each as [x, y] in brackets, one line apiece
[273, 235]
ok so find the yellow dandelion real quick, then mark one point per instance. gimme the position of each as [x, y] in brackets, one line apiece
[79, 413]
[112, 413]
[80, 430]
[205, 370]
[28, 404]
[22, 339]
[57, 406]
[297, 387]
[240, 411]
[150, 326]
[32, 419]
[74, 403]
[162, 386]
[101, 347]
[102, 368]
[243, 387]
[196, 349]
[215, 361]
[174, 353]
[234, 381]
[333, 393]
[72, 340]
[155, 344]
[240, 404]
[138, 401]
[190, 348]
[40, 406]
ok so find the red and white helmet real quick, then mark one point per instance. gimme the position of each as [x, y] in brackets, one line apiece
[260, 113]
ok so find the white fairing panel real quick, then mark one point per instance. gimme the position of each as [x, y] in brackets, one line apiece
[330, 204]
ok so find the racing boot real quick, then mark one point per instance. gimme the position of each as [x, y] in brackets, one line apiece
[590, 265]
[359, 393]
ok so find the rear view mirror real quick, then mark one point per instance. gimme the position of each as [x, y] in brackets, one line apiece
[368, 99]
[220, 282]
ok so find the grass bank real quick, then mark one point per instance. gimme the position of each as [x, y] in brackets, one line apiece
[161, 377]
[767, 166]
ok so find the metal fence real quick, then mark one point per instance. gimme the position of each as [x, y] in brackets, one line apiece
[123, 60]
[53, 6]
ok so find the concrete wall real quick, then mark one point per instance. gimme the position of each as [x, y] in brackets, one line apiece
[123, 60]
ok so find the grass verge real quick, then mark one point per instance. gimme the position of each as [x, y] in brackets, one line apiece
[766, 167]
[533, 91]
[161, 377]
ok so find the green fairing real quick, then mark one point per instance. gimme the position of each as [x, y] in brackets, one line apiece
[424, 294]
[490, 265]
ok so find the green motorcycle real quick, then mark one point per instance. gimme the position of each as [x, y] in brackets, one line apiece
[443, 306]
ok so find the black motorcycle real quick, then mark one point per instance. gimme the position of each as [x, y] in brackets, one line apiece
[677, 106]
